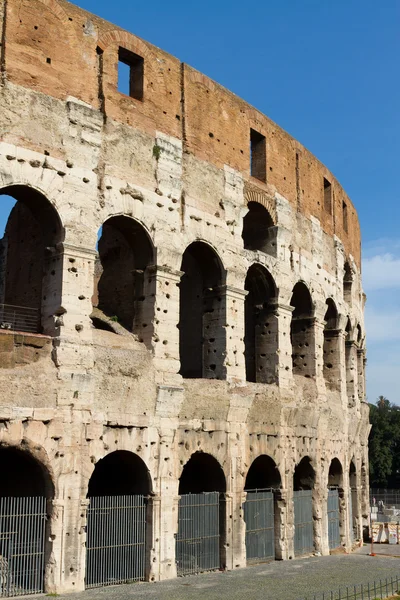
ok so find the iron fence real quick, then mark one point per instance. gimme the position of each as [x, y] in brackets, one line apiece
[303, 522]
[375, 590]
[19, 318]
[115, 540]
[22, 546]
[198, 538]
[259, 518]
[333, 519]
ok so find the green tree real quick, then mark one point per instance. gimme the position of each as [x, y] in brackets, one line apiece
[384, 444]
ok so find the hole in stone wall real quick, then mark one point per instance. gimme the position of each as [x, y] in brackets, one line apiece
[327, 196]
[260, 349]
[302, 331]
[121, 272]
[258, 155]
[258, 229]
[202, 317]
[130, 74]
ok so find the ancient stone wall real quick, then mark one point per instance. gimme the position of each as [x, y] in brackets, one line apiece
[243, 367]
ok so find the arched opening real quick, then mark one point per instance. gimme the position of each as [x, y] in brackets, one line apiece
[30, 262]
[119, 521]
[303, 486]
[25, 545]
[258, 231]
[261, 326]
[262, 510]
[335, 508]
[351, 364]
[353, 503]
[360, 364]
[200, 542]
[347, 282]
[302, 331]
[331, 346]
[122, 278]
[202, 310]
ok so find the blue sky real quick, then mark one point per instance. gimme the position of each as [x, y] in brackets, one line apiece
[326, 71]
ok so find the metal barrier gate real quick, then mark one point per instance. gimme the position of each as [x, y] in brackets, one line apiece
[259, 518]
[303, 522]
[198, 538]
[333, 519]
[22, 546]
[351, 521]
[115, 540]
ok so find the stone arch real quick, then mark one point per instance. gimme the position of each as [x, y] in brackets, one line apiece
[304, 475]
[254, 196]
[202, 473]
[348, 279]
[120, 473]
[202, 336]
[261, 325]
[123, 283]
[331, 348]
[336, 512]
[24, 475]
[31, 262]
[302, 331]
[263, 510]
[258, 231]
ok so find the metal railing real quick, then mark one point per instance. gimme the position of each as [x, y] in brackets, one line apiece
[19, 318]
[375, 590]
[198, 538]
[22, 546]
[116, 540]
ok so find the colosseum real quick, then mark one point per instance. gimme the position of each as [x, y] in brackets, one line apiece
[181, 332]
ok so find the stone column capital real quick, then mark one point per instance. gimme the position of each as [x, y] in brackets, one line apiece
[164, 272]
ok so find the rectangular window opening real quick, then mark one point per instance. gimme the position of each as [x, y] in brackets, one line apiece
[345, 218]
[130, 74]
[258, 155]
[327, 196]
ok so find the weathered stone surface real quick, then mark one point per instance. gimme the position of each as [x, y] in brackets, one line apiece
[168, 171]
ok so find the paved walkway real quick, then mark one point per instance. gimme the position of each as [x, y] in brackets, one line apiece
[289, 580]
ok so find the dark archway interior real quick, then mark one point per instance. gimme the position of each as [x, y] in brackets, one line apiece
[22, 475]
[31, 235]
[331, 315]
[257, 225]
[262, 474]
[125, 251]
[202, 473]
[301, 329]
[120, 473]
[330, 349]
[347, 282]
[304, 475]
[335, 478]
[259, 340]
[201, 316]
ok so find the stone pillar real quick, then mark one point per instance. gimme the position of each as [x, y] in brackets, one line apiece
[234, 326]
[160, 314]
[351, 373]
[54, 545]
[320, 501]
[239, 530]
[227, 550]
[153, 541]
[283, 315]
[281, 524]
[290, 525]
[71, 322]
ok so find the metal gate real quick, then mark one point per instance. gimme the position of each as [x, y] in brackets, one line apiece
[115, 540]
[351, 522]
[303, 522]
[259, 518]
[22, 546]
[198, 538]
[333, 519]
